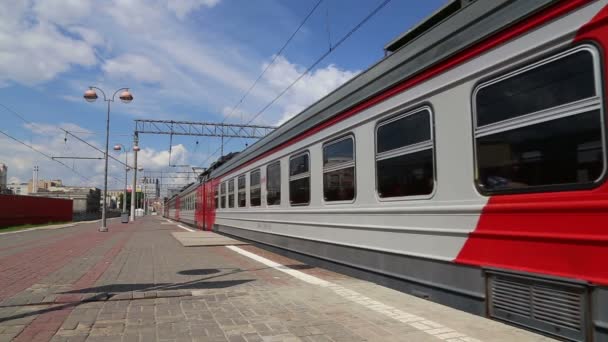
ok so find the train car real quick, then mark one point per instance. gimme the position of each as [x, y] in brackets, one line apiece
[468, 165]
[172, 208]
[187, 201]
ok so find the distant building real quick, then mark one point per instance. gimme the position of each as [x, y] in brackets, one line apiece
[46, 185]
[3, 177]
[18, 188]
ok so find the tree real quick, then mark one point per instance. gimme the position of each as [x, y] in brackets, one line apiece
[139, 198]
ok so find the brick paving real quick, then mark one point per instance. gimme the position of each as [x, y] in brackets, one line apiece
[137, 283]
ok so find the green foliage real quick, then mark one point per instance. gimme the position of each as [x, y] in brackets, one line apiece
[139, 198]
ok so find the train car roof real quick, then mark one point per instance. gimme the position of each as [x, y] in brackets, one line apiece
[453, 28]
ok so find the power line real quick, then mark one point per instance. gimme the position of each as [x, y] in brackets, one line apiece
[322, 57]
[15, 113]
[44, 154]
[66, 132]
[93, 146]
[20, 116]
[276, 55]
[313, 65]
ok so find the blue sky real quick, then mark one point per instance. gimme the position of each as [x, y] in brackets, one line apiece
[183, 60]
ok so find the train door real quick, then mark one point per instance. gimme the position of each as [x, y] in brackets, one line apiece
[210, 203]
[199, 214]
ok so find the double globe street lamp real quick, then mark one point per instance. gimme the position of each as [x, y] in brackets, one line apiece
[91, 95]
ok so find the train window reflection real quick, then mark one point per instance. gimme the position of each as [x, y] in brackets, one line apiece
[299, 179]
[231, 193]
[563, 151]
[298, 165]
[548, 85]
[404, 157]
[223, 195]
[273, 183]
[339, 170]
[562, 145]
[255, 195]
[241, 196]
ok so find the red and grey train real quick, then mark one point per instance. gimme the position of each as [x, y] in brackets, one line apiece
[469, 165]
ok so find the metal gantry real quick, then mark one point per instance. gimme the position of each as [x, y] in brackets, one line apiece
[199, 129]
[202, 129]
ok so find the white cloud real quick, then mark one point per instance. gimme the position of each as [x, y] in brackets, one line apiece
[48, 129]
[49, 139]
[143, 44]
[182, 8]
[62, 12]
[34, 51]
[307, 90]
[135, 67]
[152, 159]
[90, 36]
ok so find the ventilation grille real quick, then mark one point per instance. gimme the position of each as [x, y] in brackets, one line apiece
[552, 307]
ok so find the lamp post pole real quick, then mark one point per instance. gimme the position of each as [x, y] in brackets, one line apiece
[90, 95]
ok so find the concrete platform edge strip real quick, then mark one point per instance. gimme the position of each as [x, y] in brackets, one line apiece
[188, 229]
[432, 328]
[53, 226]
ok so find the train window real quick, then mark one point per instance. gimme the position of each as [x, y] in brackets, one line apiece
[255, 192]
[546, 85]
[273, 183]
[404, 155]
[299, 179]
[541, 126]
[231, 193]
[223, 195]
[339, 170]
[242, 191]
[216, 195]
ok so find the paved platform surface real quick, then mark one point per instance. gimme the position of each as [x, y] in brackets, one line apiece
[138, 283]
[201, 238]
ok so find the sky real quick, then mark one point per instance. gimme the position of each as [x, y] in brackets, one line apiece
[182, 60]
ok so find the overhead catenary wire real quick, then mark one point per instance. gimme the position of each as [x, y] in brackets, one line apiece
[274, 58]
[94, 147]
[22, 117]
[312, 66]
[44, 154]
[321, 58]
[257, 80]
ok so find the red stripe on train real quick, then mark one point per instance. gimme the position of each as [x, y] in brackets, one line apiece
[563, 234]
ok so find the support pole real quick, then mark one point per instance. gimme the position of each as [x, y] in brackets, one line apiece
[124, 197]
[134, 189]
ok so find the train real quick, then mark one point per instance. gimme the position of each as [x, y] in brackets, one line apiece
[468, 165]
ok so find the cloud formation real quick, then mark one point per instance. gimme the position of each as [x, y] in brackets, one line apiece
[154, 47]
[35, 51]
[182, 8]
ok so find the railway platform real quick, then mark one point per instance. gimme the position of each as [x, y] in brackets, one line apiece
[139, 283]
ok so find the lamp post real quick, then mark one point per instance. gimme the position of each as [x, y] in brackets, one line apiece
[90, 95]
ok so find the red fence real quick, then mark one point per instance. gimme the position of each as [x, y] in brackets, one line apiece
[17, 210]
